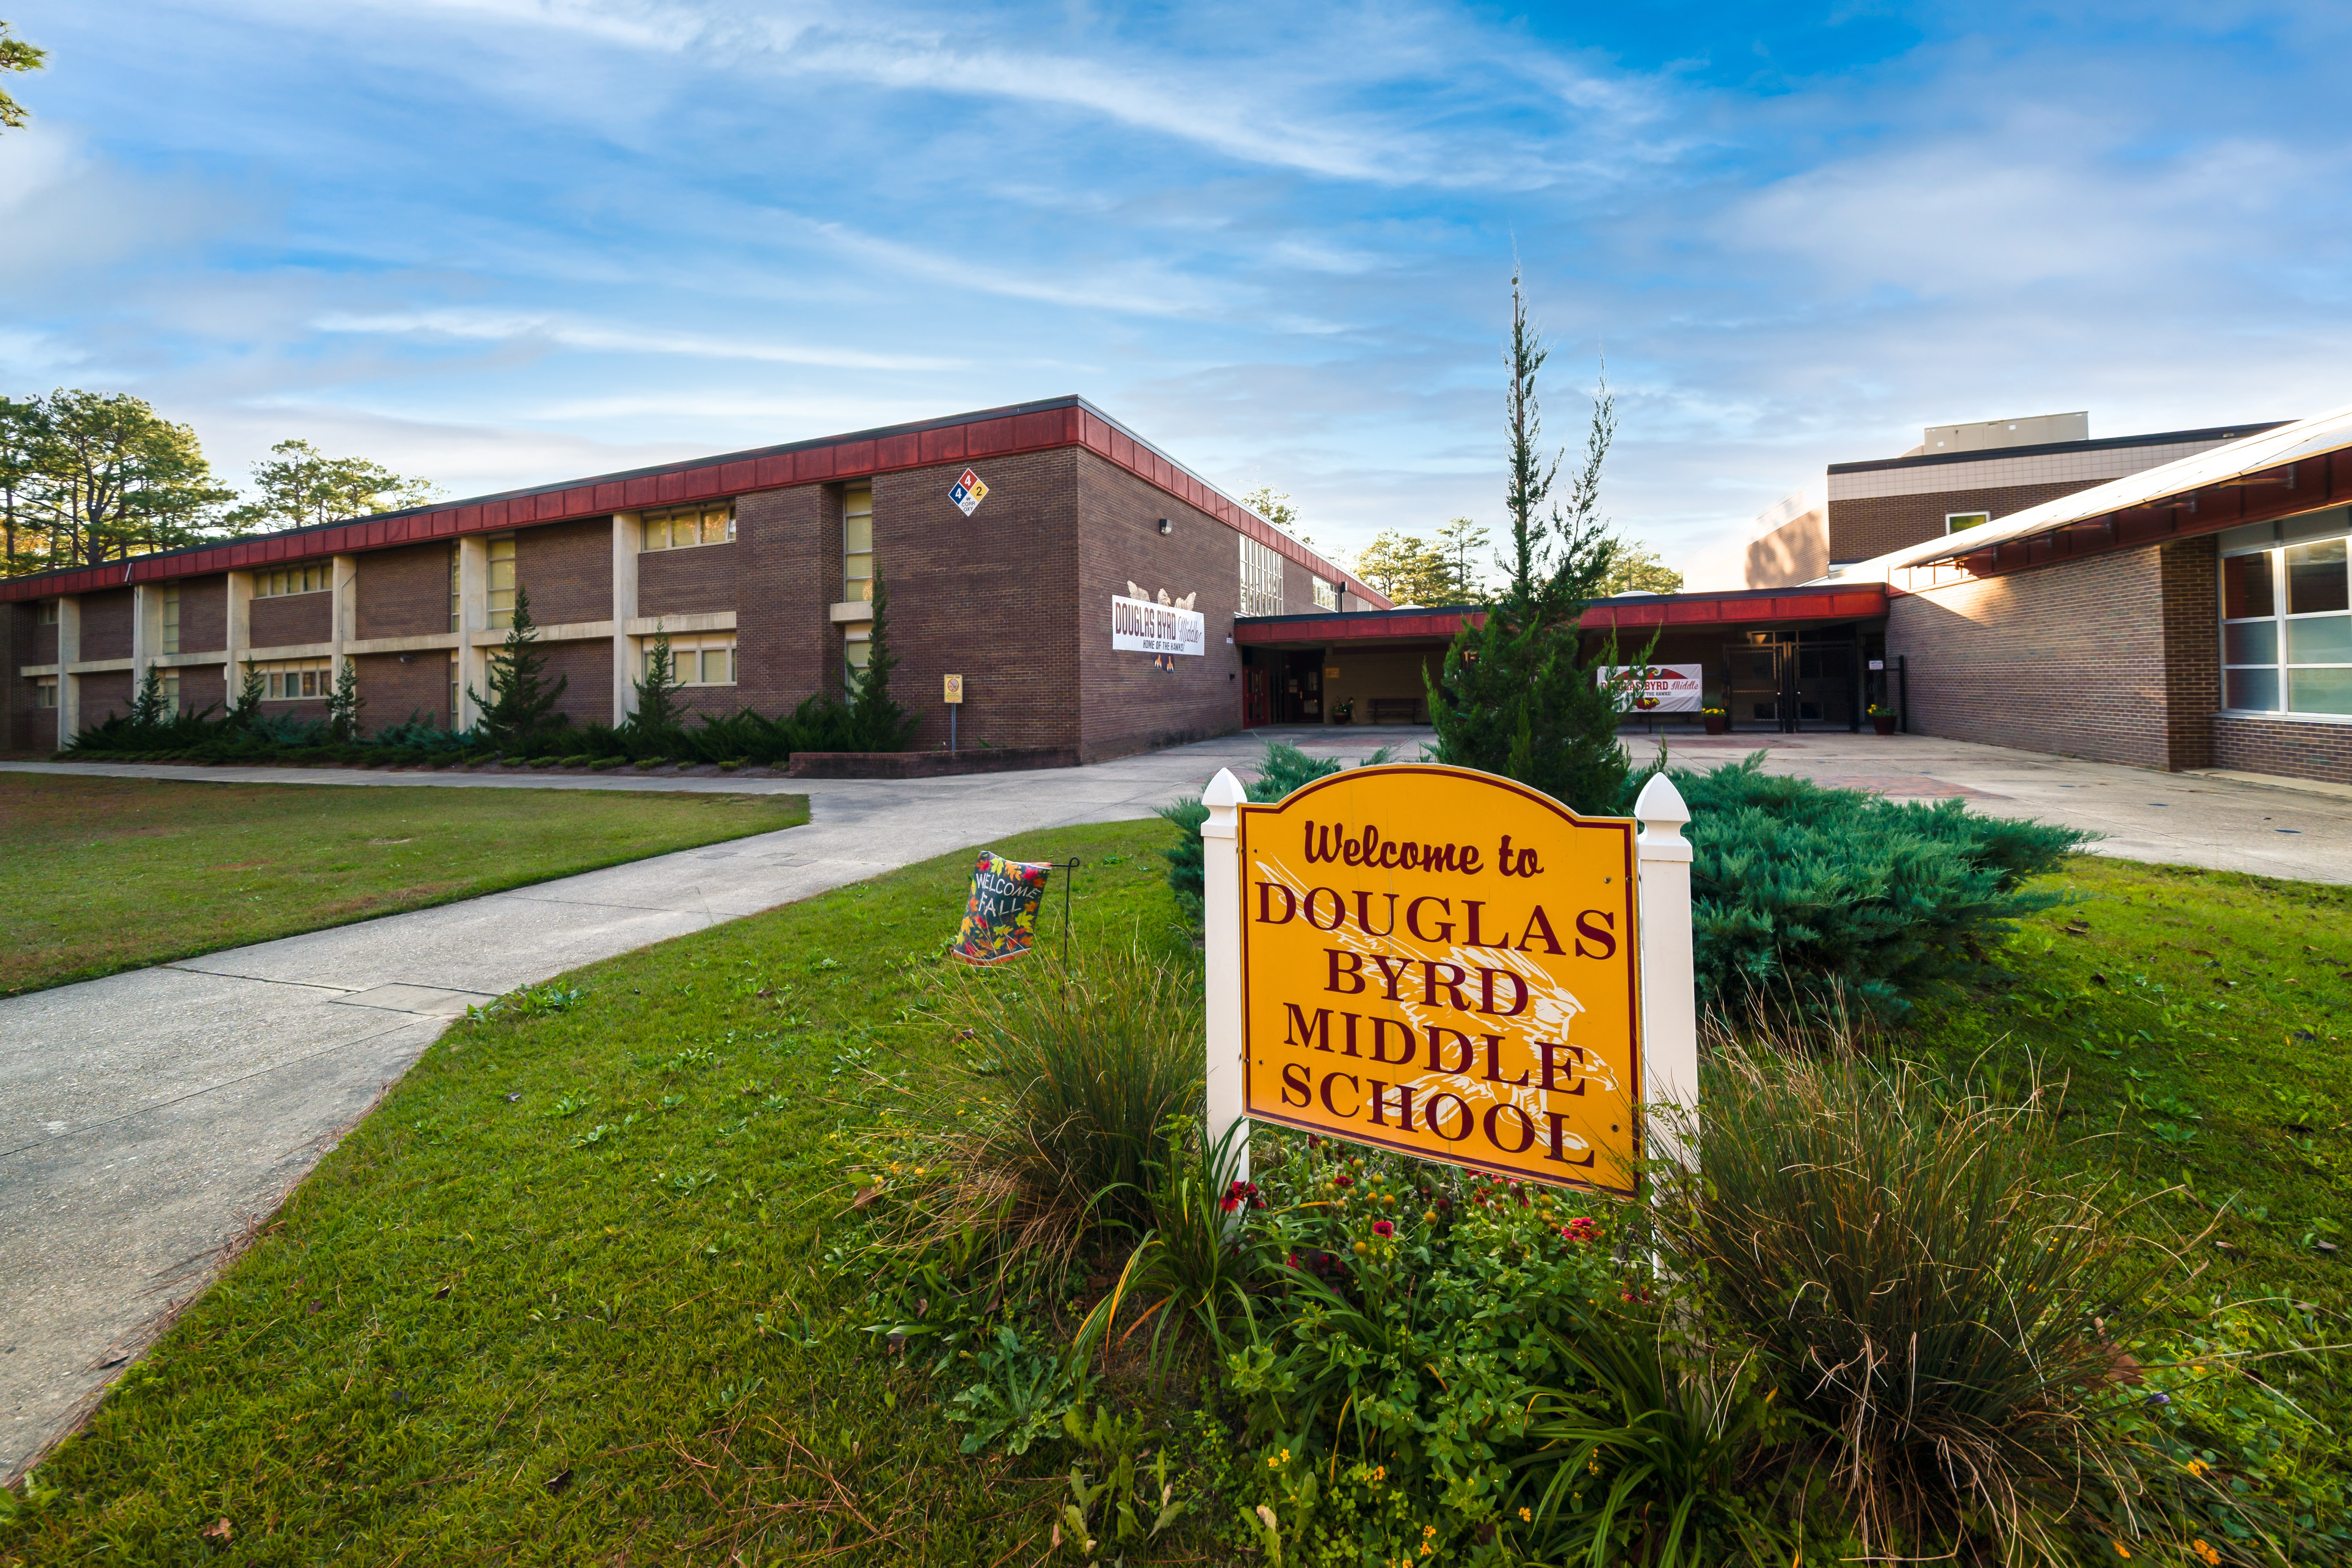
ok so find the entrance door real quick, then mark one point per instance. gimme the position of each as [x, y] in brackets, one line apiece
[1824, 686]
[1257, 697]
[1757, 701]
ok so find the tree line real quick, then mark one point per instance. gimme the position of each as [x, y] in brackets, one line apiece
[91, 477]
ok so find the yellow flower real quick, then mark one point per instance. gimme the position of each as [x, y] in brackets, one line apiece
[2197, 1466]
[1275, 1461]
[2120, 1550]
[1527, 1516]
[1380, 1472]
[2209, 1556]
[1592, 1466]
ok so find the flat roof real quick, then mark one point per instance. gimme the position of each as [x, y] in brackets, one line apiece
[2049, 448]
[1720, 607]
[1052, 422]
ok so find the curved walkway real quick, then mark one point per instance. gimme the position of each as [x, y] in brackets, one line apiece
[147, 1119]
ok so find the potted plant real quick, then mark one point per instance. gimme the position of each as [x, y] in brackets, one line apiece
[1343, 711]
[1882, 718]
[1712, 718]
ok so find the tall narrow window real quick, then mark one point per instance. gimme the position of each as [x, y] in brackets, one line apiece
[170, 686]
[858, 543]
[1261, 579]
[172, 622]
[502, 581]
[454, 668]
[456, 600]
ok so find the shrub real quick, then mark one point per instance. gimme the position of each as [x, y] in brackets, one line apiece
[1282, 769]
[1798, 889]
[1934, 1300]
[1096, 1058]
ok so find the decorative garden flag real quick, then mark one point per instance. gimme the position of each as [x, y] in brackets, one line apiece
[1000, 917]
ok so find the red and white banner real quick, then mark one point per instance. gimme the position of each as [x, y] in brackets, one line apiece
[1657, 688]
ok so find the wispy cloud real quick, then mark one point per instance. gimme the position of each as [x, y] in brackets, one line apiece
[502, 327]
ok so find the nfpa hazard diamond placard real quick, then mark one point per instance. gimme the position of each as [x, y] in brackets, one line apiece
[968, 493]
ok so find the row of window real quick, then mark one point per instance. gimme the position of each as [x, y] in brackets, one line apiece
[2286, 629]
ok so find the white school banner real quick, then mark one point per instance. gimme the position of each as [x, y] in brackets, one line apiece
[1656, 688]
[1139, 626]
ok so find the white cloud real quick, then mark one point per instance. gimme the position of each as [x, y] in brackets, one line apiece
[496, 326]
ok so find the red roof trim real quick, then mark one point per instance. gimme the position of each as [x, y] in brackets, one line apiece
[1736, 608]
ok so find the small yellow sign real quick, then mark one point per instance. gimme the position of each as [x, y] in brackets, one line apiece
[955, 689]
[1442, 963]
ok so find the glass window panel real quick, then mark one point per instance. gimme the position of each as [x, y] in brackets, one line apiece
[656, 533]
[856, 653]
[2250, 688]
[730, 667]
[714, 528]
[2315, 582]
[730, 528]
[2246, 586]
[858, 534]
[2249, 642]
[854, 502]
[2327, 640]
[2319, 690]
[714, 666]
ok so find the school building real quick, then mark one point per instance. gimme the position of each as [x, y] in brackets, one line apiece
[1084, 585]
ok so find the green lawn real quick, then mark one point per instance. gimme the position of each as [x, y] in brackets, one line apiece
[99, 874]
[574, 1294]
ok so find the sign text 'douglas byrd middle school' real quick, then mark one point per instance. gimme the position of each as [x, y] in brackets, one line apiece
[1442, 963]
[1139, 626]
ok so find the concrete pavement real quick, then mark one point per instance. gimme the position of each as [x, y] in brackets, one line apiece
[146, 1119]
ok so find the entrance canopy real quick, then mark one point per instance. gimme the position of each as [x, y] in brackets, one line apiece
[1669, 612]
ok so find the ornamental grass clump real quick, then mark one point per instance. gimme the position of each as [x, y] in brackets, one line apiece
[1943, 1308]
[1091, 1061]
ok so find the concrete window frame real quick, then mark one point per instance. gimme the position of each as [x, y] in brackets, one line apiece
[686, 527]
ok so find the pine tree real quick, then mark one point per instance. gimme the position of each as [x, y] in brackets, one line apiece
[344, 704]
[248, 698]
[149, 707]
[1514, 698]
[657, 710]
[520, 703]
[879, 723]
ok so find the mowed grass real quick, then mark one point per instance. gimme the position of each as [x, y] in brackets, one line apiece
[564, 1298]
[586, 1289]
[99, 874]
[2198, 1024]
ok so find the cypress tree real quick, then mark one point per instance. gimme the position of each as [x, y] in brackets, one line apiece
[1514, 697]
[520, 703]
[877, 721]
[657, 710]
[343, 707]
[148, 708]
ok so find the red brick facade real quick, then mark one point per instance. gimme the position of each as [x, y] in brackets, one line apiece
[1872, 525]
[2295, 749]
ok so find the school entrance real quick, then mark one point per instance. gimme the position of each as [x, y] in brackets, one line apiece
[1789, 682]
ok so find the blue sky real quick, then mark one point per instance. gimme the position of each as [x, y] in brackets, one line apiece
[499, 242]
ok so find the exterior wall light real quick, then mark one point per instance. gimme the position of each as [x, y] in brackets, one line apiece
[1166, 526]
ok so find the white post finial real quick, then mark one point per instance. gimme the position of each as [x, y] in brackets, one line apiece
[1669, 977]
[1221, 893]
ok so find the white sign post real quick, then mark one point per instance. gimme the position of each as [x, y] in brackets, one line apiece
[1221, 889]
[1669, 977]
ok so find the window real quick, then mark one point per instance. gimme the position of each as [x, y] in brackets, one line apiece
[1261, 579]
[44, 691]
[702, 661]
[684, 525]
[170, 686]
[47, 615]
[296, 680]
[856, 650]
[1326, 594]
[455, 670]
[171, 625]
[287, 580]
[456, 597]
[502, 581]
[2286, 629]
[858, 544]
[1956, 521]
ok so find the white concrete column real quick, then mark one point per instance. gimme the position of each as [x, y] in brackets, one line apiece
[146, 631]
[628, 539]
[346, 580]
[69, 655]
[1669, 978]
[237, 641]
[473, 615]
[1221, 893]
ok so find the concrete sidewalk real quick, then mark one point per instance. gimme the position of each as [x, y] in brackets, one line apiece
[145, 1119]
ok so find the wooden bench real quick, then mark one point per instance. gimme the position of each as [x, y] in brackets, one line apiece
[1394, 710]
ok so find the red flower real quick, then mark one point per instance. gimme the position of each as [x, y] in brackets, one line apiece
[1382, 1227]
[1579, 1229]
[1230, 1204]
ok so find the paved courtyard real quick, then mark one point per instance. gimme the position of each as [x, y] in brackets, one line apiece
[148, 1117]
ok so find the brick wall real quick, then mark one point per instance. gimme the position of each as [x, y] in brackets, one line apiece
[202, 686]
[289, 620]
[1862, 529]
[203, 614]
[787, 554]
[23, 729]
[105, 693]
[567, 569]
[2108, 658]
[405, 593]
[993, 597]
[395, 691]
[106, 626]
[1126, 704]
[2291, 748]
[696, 580]
[587, 666]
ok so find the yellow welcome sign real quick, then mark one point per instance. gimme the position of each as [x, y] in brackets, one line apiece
[1446, 963]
